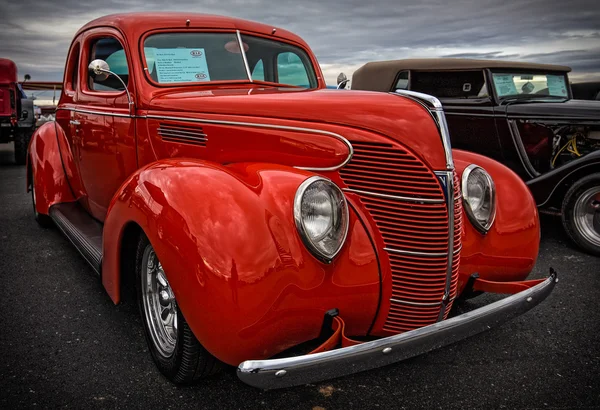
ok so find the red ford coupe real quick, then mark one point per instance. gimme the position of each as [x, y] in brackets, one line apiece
[296, 232]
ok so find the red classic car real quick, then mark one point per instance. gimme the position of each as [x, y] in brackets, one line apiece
[258, 212]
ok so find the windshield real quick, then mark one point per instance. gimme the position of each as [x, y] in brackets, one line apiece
[176, 58]
[544, 85]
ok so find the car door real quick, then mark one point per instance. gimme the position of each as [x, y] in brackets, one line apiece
[105, 127]
[66, 118]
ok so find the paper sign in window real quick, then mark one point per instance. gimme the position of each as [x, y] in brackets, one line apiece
[505, 85]
[557, 86]
[180, 65]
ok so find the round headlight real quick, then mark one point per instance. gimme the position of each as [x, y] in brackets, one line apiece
[321, 215]
[479, 197]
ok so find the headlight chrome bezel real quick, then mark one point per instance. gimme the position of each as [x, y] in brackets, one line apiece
[482, 226]
[299, 220]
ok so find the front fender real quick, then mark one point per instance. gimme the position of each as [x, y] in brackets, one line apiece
[509, 250]
[45, 167]
[241, 275]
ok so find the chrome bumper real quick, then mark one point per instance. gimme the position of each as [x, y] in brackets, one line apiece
[293, 371]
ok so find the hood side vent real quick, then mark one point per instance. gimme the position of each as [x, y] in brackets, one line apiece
[182, 134]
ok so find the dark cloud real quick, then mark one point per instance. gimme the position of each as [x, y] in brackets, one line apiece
[343, 34]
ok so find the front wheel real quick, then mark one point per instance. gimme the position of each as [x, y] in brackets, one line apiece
[174, 348]
[581, 213]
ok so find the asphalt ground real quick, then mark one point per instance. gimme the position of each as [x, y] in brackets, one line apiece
[64, 344]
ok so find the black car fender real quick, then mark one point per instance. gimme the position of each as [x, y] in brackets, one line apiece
[550, 188]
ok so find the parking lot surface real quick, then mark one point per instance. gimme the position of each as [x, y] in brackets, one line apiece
[64, 344]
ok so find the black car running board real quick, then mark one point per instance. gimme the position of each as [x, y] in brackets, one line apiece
[81, 229]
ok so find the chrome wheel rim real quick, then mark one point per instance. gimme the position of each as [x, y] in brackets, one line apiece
[587, 215]
[160, 308]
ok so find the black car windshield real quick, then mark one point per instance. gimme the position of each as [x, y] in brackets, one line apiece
[176, 58]
[509, 85]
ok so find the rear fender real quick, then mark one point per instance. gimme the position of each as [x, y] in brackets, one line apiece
[47, 149]
[509, 250]
[242, 277]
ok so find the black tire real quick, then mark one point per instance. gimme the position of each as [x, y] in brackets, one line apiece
[189, 361]
[43, 220]
[22, 138]
[581, 197]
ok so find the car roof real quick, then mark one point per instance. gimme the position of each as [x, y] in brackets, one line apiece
[380, 75]
[135, 24]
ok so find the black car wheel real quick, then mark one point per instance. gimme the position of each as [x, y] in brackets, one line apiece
[174, 348]
[581, 213]
[22, 138]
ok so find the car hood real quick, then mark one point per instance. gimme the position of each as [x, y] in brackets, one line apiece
[571, 109]
[396, 117]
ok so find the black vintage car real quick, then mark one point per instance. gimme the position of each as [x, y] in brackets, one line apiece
[521, 114]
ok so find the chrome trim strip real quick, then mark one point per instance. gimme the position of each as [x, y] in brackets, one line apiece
[243, 52]
[293, 371]
[516, 137]
[396, 197]
[413, 253]
[182, 132]
[406, 302]
[271, 126]
[435, 108]
[182, 139]
[184, 136]
[450, 203]
[108, 114]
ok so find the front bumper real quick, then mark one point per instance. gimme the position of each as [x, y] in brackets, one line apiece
[293, 371]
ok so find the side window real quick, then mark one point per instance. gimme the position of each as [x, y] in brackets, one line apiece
[402, 83]
[110, 50]
[74, 67]
[291, 70]
[258, 73]
[450, 84]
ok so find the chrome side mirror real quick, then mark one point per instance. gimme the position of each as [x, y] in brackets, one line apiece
[342, 81]
[99, 70]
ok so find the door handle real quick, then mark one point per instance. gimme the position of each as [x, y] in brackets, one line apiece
[74, 122]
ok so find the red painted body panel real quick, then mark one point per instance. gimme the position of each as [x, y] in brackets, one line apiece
[218, 210]
[510, 249]
[46, 166]
[241, 275]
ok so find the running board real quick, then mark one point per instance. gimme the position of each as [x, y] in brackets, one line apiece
[81, 229]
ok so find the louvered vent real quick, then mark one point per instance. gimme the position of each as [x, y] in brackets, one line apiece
[407, 203]
[182, 134]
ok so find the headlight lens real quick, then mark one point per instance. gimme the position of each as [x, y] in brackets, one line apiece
[479, 196]
[321, 215]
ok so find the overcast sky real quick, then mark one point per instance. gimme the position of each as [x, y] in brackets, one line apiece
[343, 34]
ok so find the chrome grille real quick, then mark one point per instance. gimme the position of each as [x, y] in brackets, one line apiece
[408, 204]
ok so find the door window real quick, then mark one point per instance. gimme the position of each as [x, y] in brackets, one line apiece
[291, 70]
[402, 83]
[110, 50]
